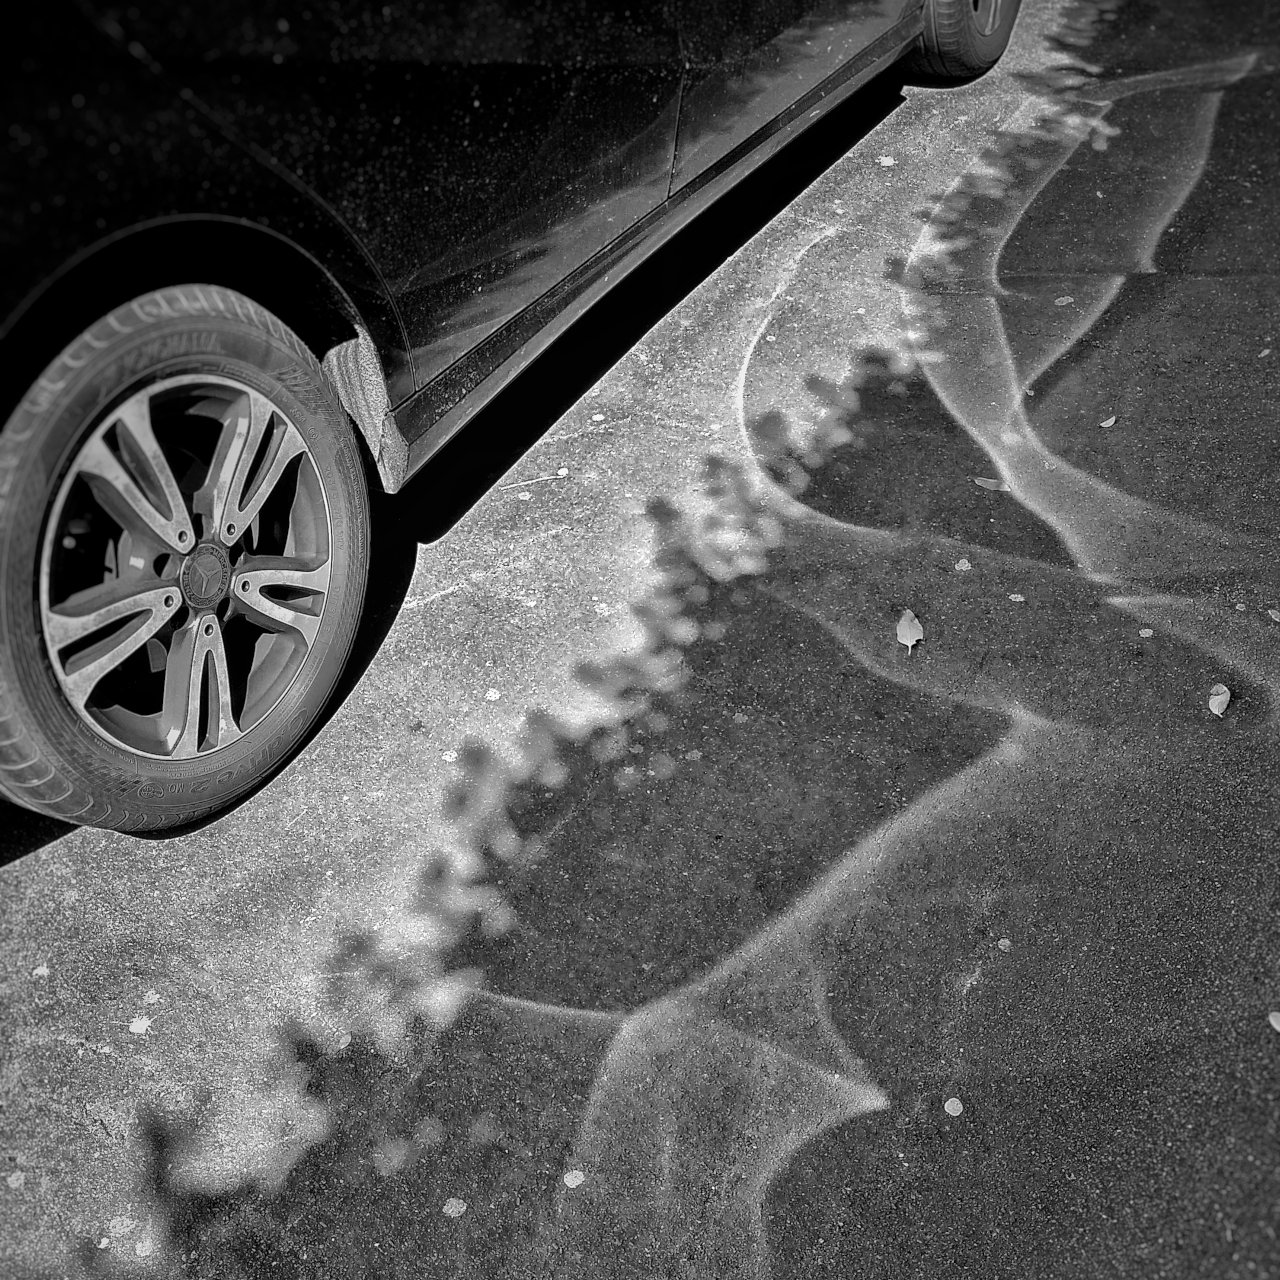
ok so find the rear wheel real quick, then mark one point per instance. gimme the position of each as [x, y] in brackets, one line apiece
[962, 39]
[183, 556]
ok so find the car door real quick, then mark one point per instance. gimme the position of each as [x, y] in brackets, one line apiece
[747, 61]
[480, 151]
[560, 134]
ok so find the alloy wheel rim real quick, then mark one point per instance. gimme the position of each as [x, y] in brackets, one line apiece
[185, 567]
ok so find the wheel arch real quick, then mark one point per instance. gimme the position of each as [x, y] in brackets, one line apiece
[237, 254]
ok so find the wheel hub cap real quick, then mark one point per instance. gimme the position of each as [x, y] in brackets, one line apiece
[205, 576]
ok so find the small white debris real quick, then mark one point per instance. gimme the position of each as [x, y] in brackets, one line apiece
[740, 717]
[144, 1248]
[1219, 696]
[1110, 422]
[344, 1039]
[140, 1026]
[1065, 301]
[1274, 1018]
[1274, 615]
[597, 417]
[524, 495]
[40, 971]
[562, 471]
[1264, 353]
[105, 1242]
[448, 756]
[886, 162]
[18, 1180]
[491, 695]
[453, 1207]
[574, 1178]
[695, 754]
[963, 566]
[953, 1106]
[910, 632]
[1016, 598]
[1005, 944]
[1145, 632]
[602, 609]
[998, 486]
[152, 997]
[1239, 608]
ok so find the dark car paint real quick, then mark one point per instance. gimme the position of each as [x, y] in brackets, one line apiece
[459, 187]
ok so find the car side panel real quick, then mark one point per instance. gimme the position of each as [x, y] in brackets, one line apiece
[748, 60]
[480, 152]
[442, 408]
[100, 148]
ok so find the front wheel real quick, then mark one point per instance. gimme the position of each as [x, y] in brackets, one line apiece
[962, 39]
[184, 544]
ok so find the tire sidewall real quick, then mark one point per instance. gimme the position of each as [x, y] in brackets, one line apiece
[52, 425]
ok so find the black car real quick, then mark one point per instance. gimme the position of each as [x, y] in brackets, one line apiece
[259, 254]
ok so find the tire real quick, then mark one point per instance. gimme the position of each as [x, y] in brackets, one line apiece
[184, 545]
[962, 39]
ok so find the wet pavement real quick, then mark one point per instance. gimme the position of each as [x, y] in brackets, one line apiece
[805, 951]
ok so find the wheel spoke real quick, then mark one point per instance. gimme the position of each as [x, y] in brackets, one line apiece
[138, 488]
[197, 656]
[223, 499]
[257, 575]
[122, 564]
[98, 609]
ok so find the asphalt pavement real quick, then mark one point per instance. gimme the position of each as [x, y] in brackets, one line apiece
[815, 947]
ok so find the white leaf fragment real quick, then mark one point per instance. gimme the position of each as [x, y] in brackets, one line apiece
[910, 632]
[1110, 422]
[1274, 1018]
[998, 486]
[1145, 632]
[1017, 598]
[1274, 615]
[1219, 696]
[574, 1178]
[963, 566]
[1065, 301]
[453, 1207]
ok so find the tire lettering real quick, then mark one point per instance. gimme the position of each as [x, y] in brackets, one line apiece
[161, 349]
